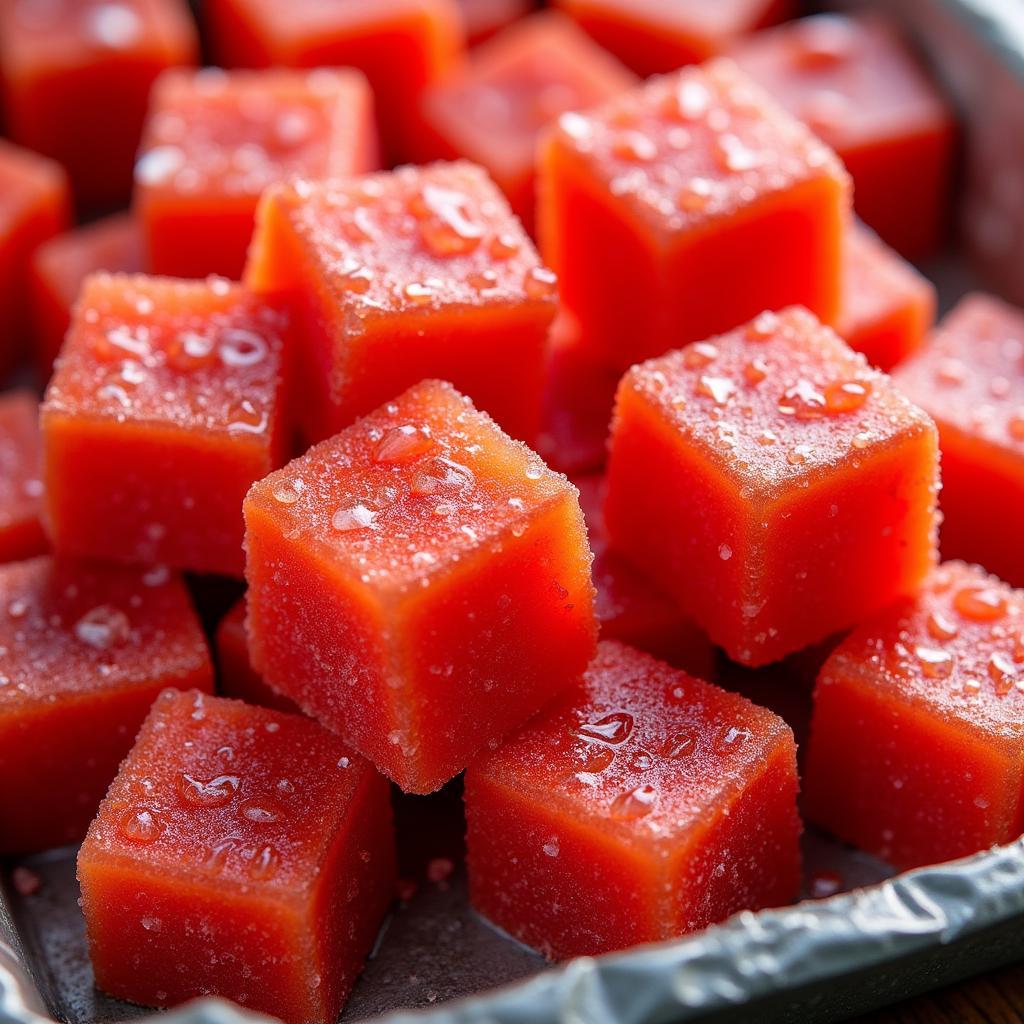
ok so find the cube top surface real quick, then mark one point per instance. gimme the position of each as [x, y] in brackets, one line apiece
[219, 792]
[72, 628]
[957, 650]
[39, 37]
[779, 401]
[409, 490]
[191, 355]
[876, 279]
[533, 71]
[638, 749]
[851, 79]
[21, 485]
[720, 19]
[233, 133]
[693, 147]
[414, 241]
[970, 373]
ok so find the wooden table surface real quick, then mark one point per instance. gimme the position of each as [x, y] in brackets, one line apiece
[995, 998]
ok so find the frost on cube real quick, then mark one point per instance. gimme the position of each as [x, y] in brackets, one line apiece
[61, 264]
[421, 272]
[970, 378]
[419, 583]
[402, 47]
[539, 68]
[775, 484]
[84, 650]
[214, 140]
[236, 676]
[643, 804]
[166, 404]
[242, 853]
[917, 743]
[858, 85]
[888, 306]
[76, 78]
[21, 485]
[685, 207]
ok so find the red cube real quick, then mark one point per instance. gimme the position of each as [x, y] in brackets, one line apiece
[402, 46]
[86, 648]
[750, 473]
[36, 206]
[684, 208]
[214, 140]
[166, 404]
[76, 77]
[643, 804]
[970, 379]
[241, 853]
[654, 36]
[421, 272]
[629, 607]
[917, 741]
[888, 306]
[522, 79]
[419, 583]
[235, 675]
[21, 485]
[857, 85]
[59, 267]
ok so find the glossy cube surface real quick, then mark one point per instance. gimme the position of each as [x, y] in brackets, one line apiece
[888, 306]
[36, 207]
[21, 484]
[523, 79]
[86, 649]
[656, 36]
[970, 378]
[643, 804]
[858, 85]
[166, 404]
[917, 748]
[215, 140]
[686, 207]
[402, 46]
[61, 264]
[77, 75]
[420, 583]
[240, 852]
[421, 272]
[773, 483]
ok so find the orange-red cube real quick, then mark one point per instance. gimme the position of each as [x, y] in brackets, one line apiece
[76, 77]
[21, 484]
[36, 206]
[419, 583]
[917, 744]
[84, 650]
[856, 84]
[684, 208]
[214, 140]
[166, 404]
[421, 272]
[775, 484]
[59, 267]
[642, 804]
[888, 306]
[521, 80]
[241, 853]
[402, 46]
[970, 378]
[653, 36]
[235, 675]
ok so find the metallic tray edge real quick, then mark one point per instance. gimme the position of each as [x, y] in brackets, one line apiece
[750, 958]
